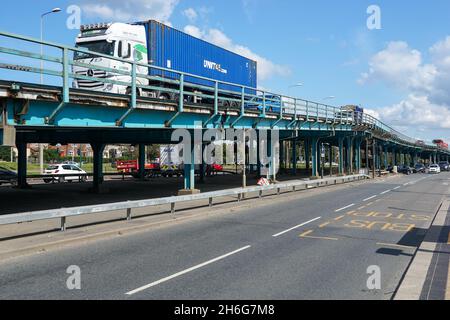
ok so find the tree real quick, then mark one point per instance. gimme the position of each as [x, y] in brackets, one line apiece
[5, 153]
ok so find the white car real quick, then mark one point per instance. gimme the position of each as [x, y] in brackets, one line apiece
[65, 172]
[434, 168]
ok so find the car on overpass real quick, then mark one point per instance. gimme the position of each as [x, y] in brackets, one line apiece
[64, 172]
[7, 176]
[434, 168]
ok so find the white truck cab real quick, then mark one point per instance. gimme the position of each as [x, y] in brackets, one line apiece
[120, 40]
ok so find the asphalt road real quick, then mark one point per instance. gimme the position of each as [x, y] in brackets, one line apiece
[318, 247]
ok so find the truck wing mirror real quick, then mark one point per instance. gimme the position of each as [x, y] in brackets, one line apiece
[124, 49]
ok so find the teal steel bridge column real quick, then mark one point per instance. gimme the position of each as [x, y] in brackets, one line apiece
[385, 156]
[314, 153]
[358, 142]
[307, 153]
[189, 171]
[294, 157]
[98, 149]
[349, 149]
[22, 166]
[341, 155]
[142, 161]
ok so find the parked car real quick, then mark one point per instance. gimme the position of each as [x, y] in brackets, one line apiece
[419, 168]
[444, 165]
[63, 172]
[405, 170]
[434, 168]
[7, 176]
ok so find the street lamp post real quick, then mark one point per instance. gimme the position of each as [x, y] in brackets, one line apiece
[41, 146]
[300, 84]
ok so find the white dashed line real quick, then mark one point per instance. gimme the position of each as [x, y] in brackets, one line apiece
[341, 209]
[296, 227]
[372, 197]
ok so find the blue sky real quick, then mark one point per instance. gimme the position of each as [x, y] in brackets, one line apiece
[400, 72]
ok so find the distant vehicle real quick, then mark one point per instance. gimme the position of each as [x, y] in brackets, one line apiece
[151, 42]
[273, 103]
[63, 172]
[434, 168]
[7, 176]
[441, 143]
[444, 165]
[132, 167]
[405, 169]
[351, 113]
[420, 143]
[419, 168]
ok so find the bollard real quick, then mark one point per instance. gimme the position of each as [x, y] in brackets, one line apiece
[63, 224]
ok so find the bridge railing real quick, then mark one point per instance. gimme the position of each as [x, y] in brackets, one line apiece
[183, 88]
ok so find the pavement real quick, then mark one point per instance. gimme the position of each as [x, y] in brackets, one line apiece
[347, 242]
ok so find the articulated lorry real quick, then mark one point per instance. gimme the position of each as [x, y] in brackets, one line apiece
[159, 45]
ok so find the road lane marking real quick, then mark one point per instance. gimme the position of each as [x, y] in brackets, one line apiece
[395, 245]
[339, 218]
[307, 235]
[396, 188]
[387, 191]
[185, 271]
[448, 242]
[296, 227]
[370, 198]
[342, 209]
[360, 208]
[323, 225]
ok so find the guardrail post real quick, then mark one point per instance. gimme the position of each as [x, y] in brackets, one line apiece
[260, 194]
[65, 59]
[210, 202]
[129, 214]
[172, 208]
[181, 98]
[133, 85]
[63, 224]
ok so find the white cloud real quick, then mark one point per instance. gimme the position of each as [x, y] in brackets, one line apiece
[427, 102]
[266, 68]
[129, 10]
[191, 14]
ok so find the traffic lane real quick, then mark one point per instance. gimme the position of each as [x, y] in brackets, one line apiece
[164, 251]
[314, 266]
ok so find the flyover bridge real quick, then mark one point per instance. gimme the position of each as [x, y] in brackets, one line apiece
[58, 113]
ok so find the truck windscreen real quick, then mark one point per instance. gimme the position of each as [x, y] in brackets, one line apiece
[103, 47]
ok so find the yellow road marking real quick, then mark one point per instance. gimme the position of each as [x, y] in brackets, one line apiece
[307, 235]
[351, 212]
[369, 204]
[395, 245]
[448, 242]
[360, 208]
[339, 218]
[324, 224]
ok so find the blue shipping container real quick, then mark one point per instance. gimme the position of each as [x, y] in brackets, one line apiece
[172, 49]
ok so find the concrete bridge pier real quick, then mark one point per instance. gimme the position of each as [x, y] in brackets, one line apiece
[307, 153]
[189, 174]
[358, 142]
